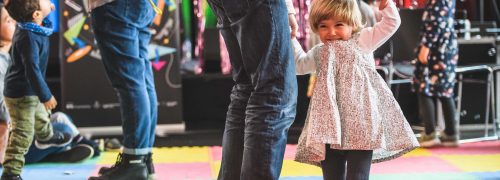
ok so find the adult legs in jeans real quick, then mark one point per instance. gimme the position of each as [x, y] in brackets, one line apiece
[263, 100]
[144, 37]
[427, 111]
[346, 164]
[121, 31]
[122, 41]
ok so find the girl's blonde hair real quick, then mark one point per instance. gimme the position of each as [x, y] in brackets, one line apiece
[344, 10]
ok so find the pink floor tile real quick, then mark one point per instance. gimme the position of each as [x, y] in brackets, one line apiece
[216, 152]
[290, 151]
[487, 147]
[183, 171]
[414, 165]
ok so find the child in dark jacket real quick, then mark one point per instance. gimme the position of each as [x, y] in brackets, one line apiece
[27, 95]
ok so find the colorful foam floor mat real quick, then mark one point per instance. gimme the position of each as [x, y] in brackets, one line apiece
[470, 161]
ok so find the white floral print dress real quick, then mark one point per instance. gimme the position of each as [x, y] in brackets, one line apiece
[352, 108]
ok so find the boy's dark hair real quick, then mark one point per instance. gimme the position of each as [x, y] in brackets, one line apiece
[22, 10]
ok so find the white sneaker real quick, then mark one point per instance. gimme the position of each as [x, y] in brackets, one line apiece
[430, 140]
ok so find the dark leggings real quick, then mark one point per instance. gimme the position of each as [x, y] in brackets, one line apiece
[427, 112]
[357, 163]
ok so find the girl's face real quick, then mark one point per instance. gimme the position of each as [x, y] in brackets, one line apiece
[334, 29]
[7, 26]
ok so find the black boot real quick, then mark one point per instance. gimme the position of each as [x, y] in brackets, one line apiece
[7, 176]
[127, 167]
[149, 165]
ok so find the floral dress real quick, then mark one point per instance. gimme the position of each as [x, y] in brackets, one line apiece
[352, 108]
[437, 77]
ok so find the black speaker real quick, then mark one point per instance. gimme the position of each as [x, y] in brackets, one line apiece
[477, 51]
[473, 101]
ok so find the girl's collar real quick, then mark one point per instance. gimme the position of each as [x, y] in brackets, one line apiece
[45, 30]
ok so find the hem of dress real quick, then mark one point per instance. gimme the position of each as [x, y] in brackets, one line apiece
[401, 153]
[394, 156]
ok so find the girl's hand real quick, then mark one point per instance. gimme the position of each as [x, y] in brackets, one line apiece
[383, 4]
[424, 53]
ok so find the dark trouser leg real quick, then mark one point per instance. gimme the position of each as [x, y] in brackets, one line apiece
[334, 165]
[427, 112]
[449, 112]
[358, 164]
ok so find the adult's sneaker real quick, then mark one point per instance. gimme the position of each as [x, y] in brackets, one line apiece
[429, 140]
[78, 153]
[449, 140]
[58, 139]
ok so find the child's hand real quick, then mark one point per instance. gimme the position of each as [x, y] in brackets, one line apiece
[423, 54]
[293, 25]
[51, 104]
[383, 4]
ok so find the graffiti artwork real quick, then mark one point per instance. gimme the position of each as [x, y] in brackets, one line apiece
[86, 92]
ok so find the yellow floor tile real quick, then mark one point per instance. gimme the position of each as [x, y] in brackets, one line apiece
[167, 155]
[181, 155]
[474, 163]
[294, 168]
[418, 153]
[107, 158]
[215, 168]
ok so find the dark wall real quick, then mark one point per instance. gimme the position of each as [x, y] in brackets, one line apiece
[206, 100]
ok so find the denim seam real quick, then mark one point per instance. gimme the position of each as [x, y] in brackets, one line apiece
[269, 129]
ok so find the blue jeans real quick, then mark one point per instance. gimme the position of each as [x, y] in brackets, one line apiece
[63, 124]
[121, 31]
[264, 97]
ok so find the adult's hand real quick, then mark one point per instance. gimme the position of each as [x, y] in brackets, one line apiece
[293, 25]
[423, 55]
[383, 4]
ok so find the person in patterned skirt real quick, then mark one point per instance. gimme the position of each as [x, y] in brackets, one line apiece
[434, 76]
